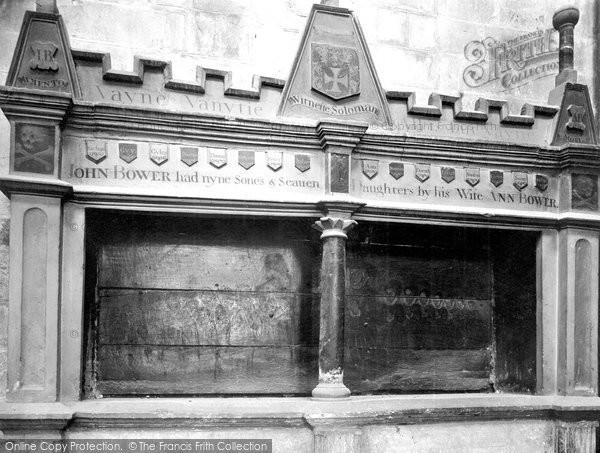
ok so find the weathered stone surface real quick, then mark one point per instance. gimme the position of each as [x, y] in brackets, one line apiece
[220, 35]
[392, 27]
[530, 437]
[477, 10]
[422, 32]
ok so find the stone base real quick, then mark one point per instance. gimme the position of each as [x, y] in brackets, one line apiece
[329, 390]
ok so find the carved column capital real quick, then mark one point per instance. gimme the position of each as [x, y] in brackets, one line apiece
[334, 227]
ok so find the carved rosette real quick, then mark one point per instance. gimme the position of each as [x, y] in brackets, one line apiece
[334, 227]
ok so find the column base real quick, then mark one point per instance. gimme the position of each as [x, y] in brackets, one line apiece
[331, 390]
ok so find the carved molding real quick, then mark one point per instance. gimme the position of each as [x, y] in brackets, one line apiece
[343, 136]
[10, 185]
[334, 227]
[23, 103]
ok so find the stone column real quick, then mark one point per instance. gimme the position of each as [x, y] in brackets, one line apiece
[568, 312]
[333, 288]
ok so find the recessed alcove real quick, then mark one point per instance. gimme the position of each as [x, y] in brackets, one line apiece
[187, 305]
[200, 306]
[440, 309]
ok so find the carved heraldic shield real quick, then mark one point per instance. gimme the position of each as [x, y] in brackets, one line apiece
[274, 160]
[422, 172]
[370, 167]
[396, 170]
[128, 152]
[189, 155]
[246, 159]
[496, 178]
[335, 71]
[448, 174]
[519, 180]
[302, 162]
[95, 151]
[159, 153]
[217, 157]
[472, 176]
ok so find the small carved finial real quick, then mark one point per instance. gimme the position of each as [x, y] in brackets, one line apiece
[46, 6]
[564, 20]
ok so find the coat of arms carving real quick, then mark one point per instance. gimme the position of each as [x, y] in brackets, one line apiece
[496, 178]
[189, 155]
[95, 150]
[472, 176]
[128, 152]
[302, 162]
[396, 170]
[448, 174]
[159, 153]
[370, 167]
[246, 159]
[519, 180]
[217, 157]
[422, 172]
[274, 160]
[335, 71]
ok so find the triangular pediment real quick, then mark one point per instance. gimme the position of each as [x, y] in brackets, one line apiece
[333, 75]
[575, 121]
[42, 58]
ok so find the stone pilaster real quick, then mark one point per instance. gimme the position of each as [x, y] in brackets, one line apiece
[337, 439]
[338, 140]
[72, 301]
[577, 437]
[568, 312]
[34, 288]
[547, 311]
[333, 287]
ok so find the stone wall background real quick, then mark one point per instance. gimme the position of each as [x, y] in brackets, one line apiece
[416, 46]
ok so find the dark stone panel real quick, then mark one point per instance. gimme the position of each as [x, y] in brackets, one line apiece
[418, 310]
[584, 192]
[164, 370]
[180, 253]
[201, 318]
[513, 255]
[339, 173]
[372, 370]
[418, 323]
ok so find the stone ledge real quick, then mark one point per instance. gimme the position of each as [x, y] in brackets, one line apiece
[10, 185]
[295, 412]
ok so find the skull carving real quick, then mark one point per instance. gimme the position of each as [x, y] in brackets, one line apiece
[33, 138]
[34, 148]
